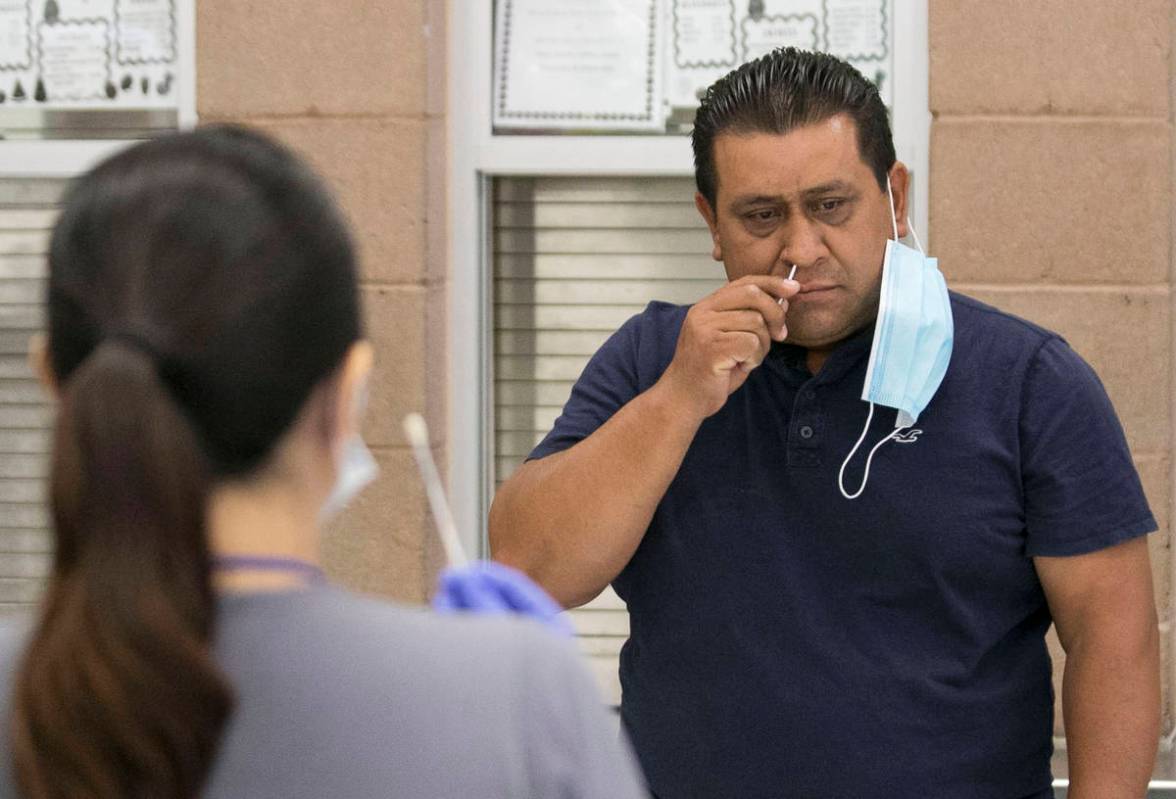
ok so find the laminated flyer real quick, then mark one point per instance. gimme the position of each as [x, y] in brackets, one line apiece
[88, 54]
[579, 64]
[709, 38]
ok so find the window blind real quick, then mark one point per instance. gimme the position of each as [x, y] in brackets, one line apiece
[28, 209]
[574, 258]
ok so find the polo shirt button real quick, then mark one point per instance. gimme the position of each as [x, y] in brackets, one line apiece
[806, 432]
[809, 394]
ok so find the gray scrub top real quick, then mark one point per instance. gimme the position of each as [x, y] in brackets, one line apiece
[344, 696]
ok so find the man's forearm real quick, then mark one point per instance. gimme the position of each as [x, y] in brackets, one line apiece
[1111, 699]
[573, 520]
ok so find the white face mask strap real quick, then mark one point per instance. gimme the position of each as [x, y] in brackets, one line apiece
[915, 236]
[869, 458]
[890, 199]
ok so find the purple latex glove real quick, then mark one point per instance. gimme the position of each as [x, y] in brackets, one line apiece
[489, 587]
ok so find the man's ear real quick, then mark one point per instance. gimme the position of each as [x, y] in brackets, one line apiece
[900, 185]
[42, 368]
[708, 215]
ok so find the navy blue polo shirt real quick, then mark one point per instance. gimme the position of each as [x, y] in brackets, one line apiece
[787, 642]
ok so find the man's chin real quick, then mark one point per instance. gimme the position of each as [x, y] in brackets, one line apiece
[813, 337]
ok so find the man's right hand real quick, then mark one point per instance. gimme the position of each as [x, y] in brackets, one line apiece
[723, 338]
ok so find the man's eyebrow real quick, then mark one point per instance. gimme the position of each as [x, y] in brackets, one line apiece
[757, 199]
[832, 187]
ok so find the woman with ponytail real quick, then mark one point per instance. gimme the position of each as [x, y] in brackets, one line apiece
[205, 346]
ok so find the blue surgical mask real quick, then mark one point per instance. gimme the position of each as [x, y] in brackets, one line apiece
[912, 341]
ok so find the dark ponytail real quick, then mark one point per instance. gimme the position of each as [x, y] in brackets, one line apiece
[119, 695]
[200, 286]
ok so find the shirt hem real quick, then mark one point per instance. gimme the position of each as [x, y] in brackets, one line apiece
[1093, 543]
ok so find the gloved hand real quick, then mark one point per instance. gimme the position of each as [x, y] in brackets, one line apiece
[489, 587]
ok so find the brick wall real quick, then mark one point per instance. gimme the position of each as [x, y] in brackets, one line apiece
[357, 87]
[1051, 197]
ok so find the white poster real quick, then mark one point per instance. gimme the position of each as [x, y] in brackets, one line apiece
[88, 54]
[16, 47]
[146, 31]
[856, 29]
[704, 33]
[76, 9]
[74, 60]
[860, 31]
[578, 64]
[762, 36]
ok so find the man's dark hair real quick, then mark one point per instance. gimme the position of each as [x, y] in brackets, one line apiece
[784, 90]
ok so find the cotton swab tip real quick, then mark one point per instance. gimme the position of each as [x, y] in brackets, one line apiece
[416, 430]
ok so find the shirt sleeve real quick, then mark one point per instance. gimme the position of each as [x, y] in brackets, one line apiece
[607, 384]
[1081, 490]
[575, 748]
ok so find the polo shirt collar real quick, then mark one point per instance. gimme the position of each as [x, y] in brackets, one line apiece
[791, 359]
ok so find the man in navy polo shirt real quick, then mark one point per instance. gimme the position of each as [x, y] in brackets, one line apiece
[788, 641]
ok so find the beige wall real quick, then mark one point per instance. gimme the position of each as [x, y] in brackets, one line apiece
[1051, 195]
[358, 88]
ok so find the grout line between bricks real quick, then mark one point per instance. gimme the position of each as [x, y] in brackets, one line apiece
[1066, 288]
[301, 116]
[1047, 119]
[386, 285]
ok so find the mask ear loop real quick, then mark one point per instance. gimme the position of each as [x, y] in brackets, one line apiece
[869, 458]
[870, 416]
[915, 236]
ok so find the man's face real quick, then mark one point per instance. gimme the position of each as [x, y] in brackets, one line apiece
[806, 198]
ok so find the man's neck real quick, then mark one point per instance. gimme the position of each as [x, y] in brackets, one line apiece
[815, 358]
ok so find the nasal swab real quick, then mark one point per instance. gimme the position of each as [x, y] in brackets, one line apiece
[418, 436]
[791, 275]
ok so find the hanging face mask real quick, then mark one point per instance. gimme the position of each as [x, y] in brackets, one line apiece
[912, 341]
[354, 471]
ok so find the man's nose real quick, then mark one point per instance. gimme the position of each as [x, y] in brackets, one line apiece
[804, 247]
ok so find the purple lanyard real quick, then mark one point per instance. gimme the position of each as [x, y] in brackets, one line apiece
[228, 563]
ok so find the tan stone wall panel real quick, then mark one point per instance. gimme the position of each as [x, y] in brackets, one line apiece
[1053, 201]
[395, 317]
[436, 200]
[436, 366]
[377, 170]
[1124, 335]
[1049, 57]
[1050, 171]
[375, 545]
[300, 58]
[436, 57]
[358, 89]
[1153, 472]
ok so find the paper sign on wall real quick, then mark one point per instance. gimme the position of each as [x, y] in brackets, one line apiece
[88, 54]
[578, 64]
[709, 38]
